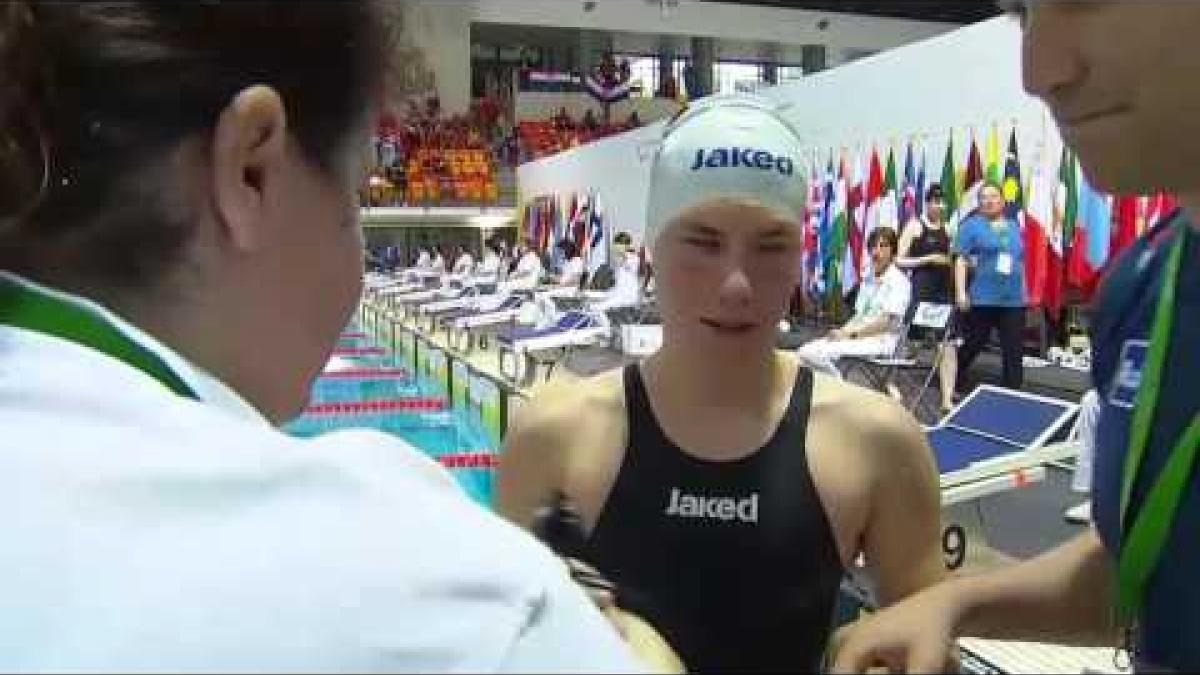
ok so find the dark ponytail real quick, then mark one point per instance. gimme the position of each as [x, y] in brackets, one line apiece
[95, 96]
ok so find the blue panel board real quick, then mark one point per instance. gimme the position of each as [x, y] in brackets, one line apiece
[1018, 419]
[956, 449]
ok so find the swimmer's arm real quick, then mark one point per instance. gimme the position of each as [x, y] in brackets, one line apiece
[902, 541]
[531, 463]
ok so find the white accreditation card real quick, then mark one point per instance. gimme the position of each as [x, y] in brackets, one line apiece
[1004, 264]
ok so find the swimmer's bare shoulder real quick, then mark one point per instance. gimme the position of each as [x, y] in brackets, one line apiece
[568, 437]
[878, 481]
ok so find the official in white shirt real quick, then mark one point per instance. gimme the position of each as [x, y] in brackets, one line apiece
[627, 285]
[463, 262]
[168, 294]
[528, 271]
[571, 271]
[883, 298]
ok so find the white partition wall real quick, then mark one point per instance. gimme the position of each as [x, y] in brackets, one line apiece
[615, 168]
[965, 80]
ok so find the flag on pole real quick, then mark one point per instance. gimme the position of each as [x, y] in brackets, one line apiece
[840, 230]
[1061, 232]
[993, 154]
[824, 234]
[1093, 237]
[1036, 219]
[874, 194]
[598, 237]
[1129, 220]
[1014, 197]
[812, 244]
[972, 181]
[889, 205]
[921, 183]
[949, 183]
[908, 198]
[855, 219]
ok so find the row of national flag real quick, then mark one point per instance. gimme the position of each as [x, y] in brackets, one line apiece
[546, 223]
[1070, 230]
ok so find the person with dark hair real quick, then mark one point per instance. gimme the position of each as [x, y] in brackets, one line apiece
[527, 267]
[492, 261]
[464, 263]
[179, 251]
[722, 487]
[571, 273]
[1127, 106]
[924, 251]
[989, 285]
[883, 299]
[438, 262]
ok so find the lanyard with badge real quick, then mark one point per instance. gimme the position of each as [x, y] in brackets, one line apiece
[1145, 536]
[1004, 258]
[35, 310]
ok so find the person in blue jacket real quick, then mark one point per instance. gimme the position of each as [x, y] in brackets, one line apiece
[1127, 106]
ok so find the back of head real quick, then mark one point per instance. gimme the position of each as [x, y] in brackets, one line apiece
[734, 147]
[95, 96]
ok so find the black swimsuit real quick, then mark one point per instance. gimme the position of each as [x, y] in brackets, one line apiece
[734, 562]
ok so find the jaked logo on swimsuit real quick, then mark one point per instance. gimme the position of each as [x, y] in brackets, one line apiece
[713, 508]
[1129, 373]
[751, 158]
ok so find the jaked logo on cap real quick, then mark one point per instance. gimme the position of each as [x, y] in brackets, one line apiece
[751, 158]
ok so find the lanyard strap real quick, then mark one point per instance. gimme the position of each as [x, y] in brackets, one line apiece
[32, 309]
[1145, 538]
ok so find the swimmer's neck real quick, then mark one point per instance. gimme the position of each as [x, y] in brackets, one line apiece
[746, 381]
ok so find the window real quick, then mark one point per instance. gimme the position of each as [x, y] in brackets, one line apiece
[787, 74]
[731, 77]
[643, 70]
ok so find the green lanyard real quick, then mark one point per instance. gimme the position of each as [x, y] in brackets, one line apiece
[1143, 540]
[32, 309]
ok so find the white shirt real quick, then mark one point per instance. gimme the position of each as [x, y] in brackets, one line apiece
[626, 290]
[528, 271]
[438, 264]
[572, 271]
[150, 532]
[424, 260]
[889, 294]
[464, 264]
[490, 265]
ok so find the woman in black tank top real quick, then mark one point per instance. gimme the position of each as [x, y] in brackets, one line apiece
[925, 253]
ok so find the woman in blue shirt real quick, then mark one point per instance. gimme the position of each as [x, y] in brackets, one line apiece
[992, 297]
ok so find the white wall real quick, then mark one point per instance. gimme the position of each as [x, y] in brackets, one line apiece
[616, 168]
[968, 78]
[543, 105]
[725, 20]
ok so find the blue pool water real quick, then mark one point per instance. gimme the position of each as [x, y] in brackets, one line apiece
[437, 433]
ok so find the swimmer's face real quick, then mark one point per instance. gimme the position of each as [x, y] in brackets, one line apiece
[1120, 78]
[991, 201]
[725, 271]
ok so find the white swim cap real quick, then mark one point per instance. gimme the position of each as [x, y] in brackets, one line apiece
[726, 146]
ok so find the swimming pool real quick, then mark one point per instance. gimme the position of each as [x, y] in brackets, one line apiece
[379, 392]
